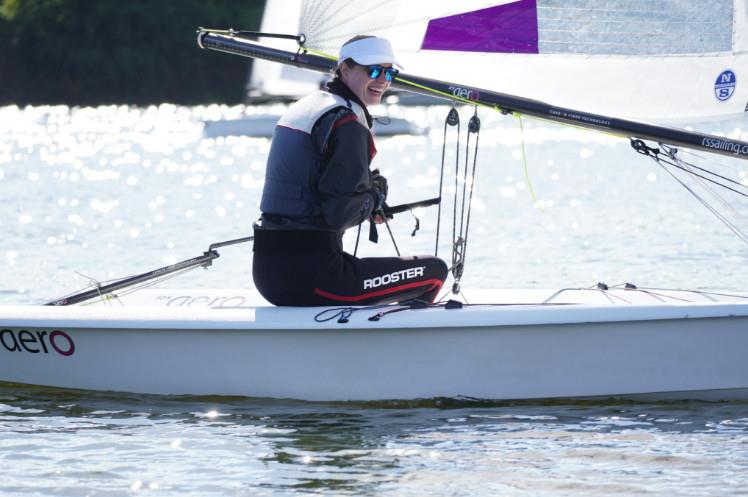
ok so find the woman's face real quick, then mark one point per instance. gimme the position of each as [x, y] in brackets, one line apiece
[369, 90]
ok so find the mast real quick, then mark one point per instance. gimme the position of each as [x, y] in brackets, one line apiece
[500, 101]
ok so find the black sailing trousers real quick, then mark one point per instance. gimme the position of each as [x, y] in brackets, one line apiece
[309, 268]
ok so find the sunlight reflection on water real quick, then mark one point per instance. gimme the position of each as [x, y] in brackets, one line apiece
[114, 190]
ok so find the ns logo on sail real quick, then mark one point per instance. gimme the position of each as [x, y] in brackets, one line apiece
[724, 87]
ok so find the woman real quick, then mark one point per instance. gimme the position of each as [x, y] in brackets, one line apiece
[318, 184]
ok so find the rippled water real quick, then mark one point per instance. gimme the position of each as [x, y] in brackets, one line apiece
[69, 443]
[91, 194]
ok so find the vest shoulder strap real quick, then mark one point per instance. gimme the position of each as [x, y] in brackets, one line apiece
[303, 114]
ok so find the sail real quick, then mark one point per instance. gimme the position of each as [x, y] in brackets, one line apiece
[661, 59]
[273, 81]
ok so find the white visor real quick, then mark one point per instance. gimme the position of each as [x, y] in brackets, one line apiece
[369, 51]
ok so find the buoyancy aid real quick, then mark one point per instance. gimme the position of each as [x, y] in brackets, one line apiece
[294, 161]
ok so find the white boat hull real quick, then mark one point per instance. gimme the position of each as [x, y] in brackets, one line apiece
[660, 350]
[263, 127]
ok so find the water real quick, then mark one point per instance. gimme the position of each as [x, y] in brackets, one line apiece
[68, 443]
[92, 194]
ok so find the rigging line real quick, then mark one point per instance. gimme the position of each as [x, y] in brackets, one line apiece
[465, 181]
[321, 54]
[703, 182]
[703, 293]
[706, 204]
[679, 164]
[712, 159]
[459, 245]
[671, 151]
[708, 188]
[135, 288]
[455, 254]
[389, 230]
[454, 207]
[524, 160]
[93, 283]
[475, 125]
[630, 287]
[452, 119]
[724, 202]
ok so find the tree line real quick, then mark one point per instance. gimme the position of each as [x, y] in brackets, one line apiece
[91, 52]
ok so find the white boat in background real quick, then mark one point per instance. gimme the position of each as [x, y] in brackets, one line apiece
[262, 126]
[521, 345]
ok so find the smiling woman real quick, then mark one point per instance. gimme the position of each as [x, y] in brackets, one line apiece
[361, 70]
[318, 184]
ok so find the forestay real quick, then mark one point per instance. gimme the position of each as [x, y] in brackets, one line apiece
[664, 60]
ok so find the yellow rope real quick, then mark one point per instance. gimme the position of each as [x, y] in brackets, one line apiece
[321, 54]
[524, 160]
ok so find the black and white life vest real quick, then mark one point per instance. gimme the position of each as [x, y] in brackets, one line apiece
[294, 162]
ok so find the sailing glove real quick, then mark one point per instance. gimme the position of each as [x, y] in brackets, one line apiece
[379, 184]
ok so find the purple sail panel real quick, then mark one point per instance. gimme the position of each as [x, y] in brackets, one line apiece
[510, 28]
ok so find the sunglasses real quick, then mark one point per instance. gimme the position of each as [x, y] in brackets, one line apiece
[374, 72]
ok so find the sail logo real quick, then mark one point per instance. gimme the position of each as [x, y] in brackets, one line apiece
[724, 87]
[37, 342]
[465, 93]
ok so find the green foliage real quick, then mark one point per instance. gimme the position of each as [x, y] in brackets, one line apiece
[87, 52]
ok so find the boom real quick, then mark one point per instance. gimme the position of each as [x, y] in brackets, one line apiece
[237, 45]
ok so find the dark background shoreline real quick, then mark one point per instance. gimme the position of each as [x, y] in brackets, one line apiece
[139, 52]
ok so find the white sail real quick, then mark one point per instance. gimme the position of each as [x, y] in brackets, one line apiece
[664, 59]
[280, 81]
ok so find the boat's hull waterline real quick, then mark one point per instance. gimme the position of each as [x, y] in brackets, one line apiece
[653, 350]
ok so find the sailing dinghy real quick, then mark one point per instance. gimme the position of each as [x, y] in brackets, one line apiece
[602, 341]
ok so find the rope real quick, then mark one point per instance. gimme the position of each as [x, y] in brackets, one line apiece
[473, 127]
[300, 39]
[524, 159]
[389, 230]
[452, 119]
[667, 156]
[459, 239]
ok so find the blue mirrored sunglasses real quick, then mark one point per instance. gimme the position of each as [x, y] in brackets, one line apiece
[389, 72]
